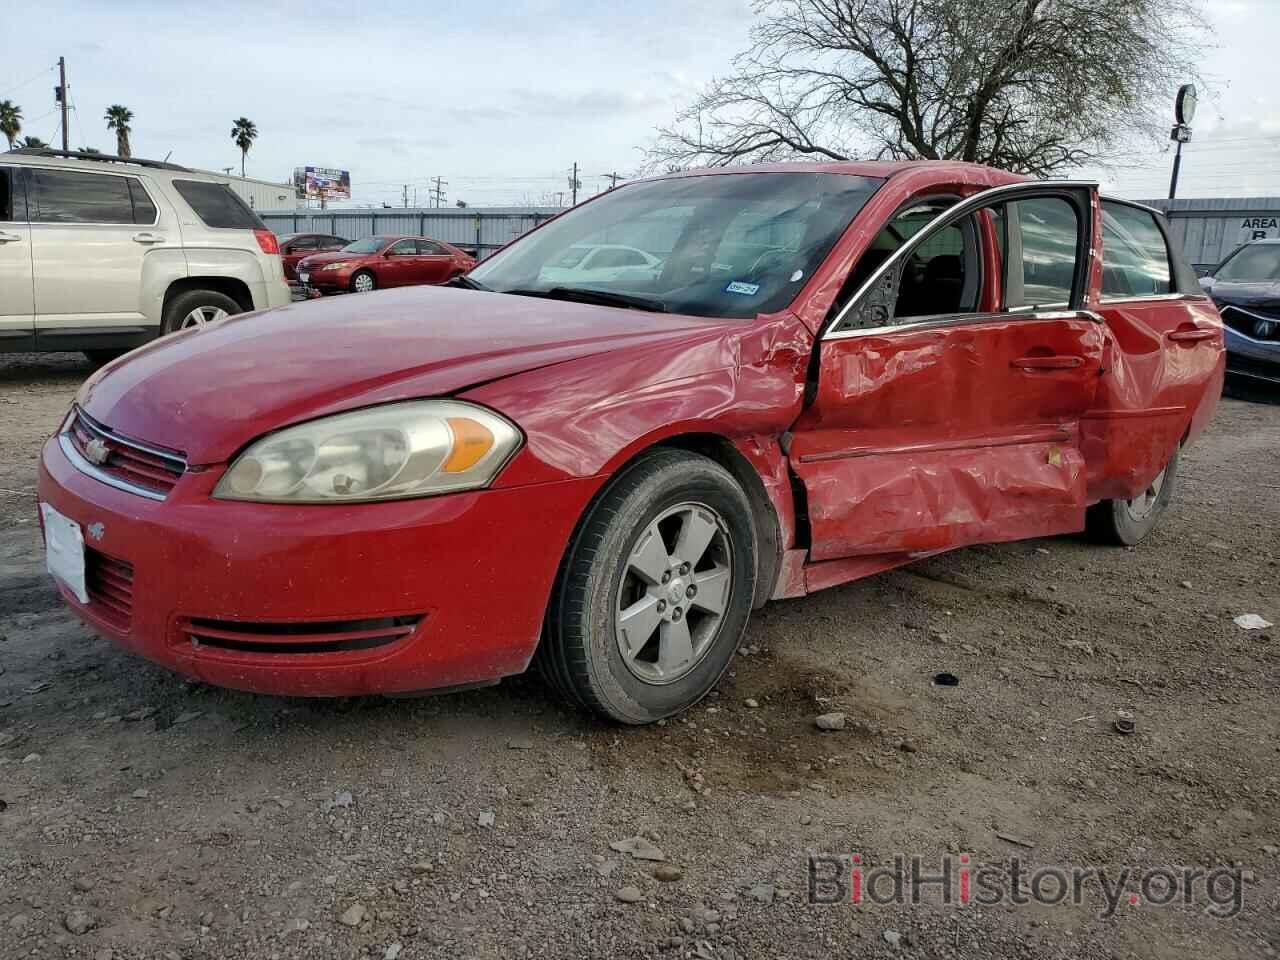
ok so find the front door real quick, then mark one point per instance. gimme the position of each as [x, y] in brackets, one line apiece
[17, 310]
[950, 387]
[399, 264]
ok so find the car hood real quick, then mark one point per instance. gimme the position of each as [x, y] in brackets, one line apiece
[1246, 293]
[208, 392]
[317, 259]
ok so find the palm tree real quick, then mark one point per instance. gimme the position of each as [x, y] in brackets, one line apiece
[10, 121]
[118, 119]
[244, 132]
[32, 143]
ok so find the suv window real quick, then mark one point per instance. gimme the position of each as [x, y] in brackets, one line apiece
[70, 196]
[1135, 257]
[12, 207]
[144, 211]
[217, 206]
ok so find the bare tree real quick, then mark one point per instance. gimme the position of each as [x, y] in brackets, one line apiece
[1033, 86]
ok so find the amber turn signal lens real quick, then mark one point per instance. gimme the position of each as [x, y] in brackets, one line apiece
[471, 441]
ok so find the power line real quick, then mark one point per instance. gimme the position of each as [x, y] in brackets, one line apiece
[29, 81]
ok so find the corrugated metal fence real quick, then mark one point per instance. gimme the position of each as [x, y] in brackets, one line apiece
[1210, 229]
[482, 230]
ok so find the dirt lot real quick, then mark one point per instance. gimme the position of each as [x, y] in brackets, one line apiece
[144, 816]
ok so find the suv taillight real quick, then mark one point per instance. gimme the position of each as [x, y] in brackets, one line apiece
[267, 241]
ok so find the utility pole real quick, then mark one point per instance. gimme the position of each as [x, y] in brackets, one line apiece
[404, 196]
[62, 98]
[613, 178]
[574, 184]
[437, 191]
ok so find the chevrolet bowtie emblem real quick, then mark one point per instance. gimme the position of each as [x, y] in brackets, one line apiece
[97, 451]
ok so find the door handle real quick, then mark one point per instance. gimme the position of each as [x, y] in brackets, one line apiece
[1192, 335]
[1048, 363]
[9, 237]
[148, 238]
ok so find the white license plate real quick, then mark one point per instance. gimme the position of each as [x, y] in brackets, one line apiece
[304, 277]
[64, 551]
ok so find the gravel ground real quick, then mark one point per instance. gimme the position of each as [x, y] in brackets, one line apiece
[145, 816]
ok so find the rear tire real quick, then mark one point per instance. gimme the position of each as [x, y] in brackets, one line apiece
[1127, 522]
[654, 592]
[363, 282]
[197, 308]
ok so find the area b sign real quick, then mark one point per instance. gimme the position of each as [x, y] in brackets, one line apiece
[326, 183]
[1259, 228]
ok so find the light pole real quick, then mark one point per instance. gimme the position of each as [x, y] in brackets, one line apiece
[1184, 110]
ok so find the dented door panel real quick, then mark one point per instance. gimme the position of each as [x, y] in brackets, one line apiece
[927, 439]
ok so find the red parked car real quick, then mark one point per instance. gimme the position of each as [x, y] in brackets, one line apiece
[377, 262]
[295, 246]
[836, 369]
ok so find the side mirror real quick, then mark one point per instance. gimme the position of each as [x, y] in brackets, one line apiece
[1206, 284]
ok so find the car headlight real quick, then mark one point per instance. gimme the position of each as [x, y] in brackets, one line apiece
[336, 266]
[413, 449]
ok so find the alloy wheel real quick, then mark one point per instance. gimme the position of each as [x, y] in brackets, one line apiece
[674, 592]
[1141, 506]
[363, 283]
[201, 316]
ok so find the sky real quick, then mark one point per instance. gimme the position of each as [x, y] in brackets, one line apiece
[499, 99]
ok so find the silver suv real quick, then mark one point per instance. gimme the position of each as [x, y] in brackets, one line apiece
[102, 254]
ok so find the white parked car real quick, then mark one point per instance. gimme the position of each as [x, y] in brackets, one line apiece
[585, 264]
[102, 254]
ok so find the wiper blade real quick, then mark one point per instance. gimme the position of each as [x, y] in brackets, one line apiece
[605, 298]
[462, 280]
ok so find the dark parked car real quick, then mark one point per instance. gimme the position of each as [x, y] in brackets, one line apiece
[295, 246]
[376, 262]
[1246, 288]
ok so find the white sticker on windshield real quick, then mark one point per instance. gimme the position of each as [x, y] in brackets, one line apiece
[797, 275]
[746, 289]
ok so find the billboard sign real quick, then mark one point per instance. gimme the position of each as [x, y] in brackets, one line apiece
[323, 183]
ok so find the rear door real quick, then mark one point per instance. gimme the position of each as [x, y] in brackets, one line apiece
[90, 233]
[1164, 360]
[17, 310]
[951, 386]
[435, 263]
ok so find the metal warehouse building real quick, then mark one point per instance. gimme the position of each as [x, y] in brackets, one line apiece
[261, 194]
[1210, 229]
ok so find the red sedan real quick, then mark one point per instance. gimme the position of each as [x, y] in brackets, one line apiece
[376, 262]
[295, 246]
[833, 370]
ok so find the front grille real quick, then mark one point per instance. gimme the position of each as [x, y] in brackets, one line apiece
[1257, 323]
[109, 583]
[329, 636]
[136, 465]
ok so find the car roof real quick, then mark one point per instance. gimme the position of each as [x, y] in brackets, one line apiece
[860, 168]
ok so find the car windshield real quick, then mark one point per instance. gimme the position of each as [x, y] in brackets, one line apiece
[726, 245]
[367, 245]
[1255, 262]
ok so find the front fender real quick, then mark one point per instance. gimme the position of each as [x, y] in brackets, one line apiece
[588, 417]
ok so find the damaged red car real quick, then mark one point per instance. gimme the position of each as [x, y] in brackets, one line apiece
[829, 370]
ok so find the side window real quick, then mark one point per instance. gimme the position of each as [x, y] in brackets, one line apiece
[144, 211]
[12, 206]
[429, 248]
[1042, 271]
[404, 248]
[68, 196]
[217, 206]
[1135, 258]
[334, 243]
[303, 243]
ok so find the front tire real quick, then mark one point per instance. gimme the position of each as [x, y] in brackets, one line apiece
[655, 590]
[1127, 522]
[363, 282]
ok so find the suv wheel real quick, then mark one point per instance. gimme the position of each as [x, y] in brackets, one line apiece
[197, 308]
[655, 590]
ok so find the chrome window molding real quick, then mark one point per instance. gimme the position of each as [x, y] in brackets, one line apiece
[960, 320]
[1155, 298]
[982, 198]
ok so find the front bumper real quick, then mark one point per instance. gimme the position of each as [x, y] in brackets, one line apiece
[477, 568]
[1258, 360]
[327, 281]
